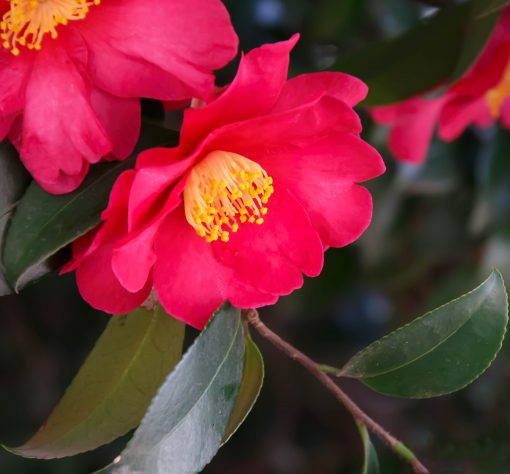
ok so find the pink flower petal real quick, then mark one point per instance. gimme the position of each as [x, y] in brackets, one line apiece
[255, 89]
[308, 87]
[189, 279]
[121, 119]
[159, 49]
[132, 261]
[505, 114]
[134, 255]
[113, 225]
[149, 185]
[14, 73]
[101, 289]
[414, 124]
[61, 133]
[321, 177]
[289, 130]
[273, 256]
[459, 114]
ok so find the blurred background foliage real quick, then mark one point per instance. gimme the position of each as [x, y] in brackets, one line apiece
[437, 230]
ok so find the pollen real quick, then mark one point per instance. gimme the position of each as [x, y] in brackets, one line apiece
[27, 22]
[223, 191]
[496, 97]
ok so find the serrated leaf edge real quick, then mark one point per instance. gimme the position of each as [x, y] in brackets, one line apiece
[495, 273]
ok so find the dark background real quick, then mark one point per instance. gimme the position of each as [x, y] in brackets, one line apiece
[437, 231]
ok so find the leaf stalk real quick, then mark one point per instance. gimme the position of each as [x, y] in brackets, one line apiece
[318, 371]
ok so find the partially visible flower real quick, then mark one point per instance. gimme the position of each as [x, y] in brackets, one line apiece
[480, 98]
[72, 73]
[261, 184]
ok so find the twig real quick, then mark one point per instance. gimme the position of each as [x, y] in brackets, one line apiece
[359, 415]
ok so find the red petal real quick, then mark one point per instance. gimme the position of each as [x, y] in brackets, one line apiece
[321, 176]
[272, 257]
[101, 289]
[121, 119]
[190, 281]
[413, 123]
[308, 87]
[160, 49]
[61, 133]
[260, 78]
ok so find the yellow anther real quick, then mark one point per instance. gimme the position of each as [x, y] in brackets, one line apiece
[224, 190]
[27, 22]
[497, 96]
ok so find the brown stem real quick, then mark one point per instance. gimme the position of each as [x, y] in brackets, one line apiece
[359, 415]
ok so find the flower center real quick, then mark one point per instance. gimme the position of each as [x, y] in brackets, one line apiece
[223, 190]
[27, 21]
[497, 96]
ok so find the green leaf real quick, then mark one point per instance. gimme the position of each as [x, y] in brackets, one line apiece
[441, 352]
[44, 223]
[114, 387]
[370, 460]
[439, 50]
[481, 20]
[13, 181]
[251, 384]
[184, 426]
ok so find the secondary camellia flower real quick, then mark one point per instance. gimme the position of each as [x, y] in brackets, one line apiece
[72, 73]
[262, 182]
[479, 98]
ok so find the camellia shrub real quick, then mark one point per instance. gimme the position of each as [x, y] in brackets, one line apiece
[181, 201]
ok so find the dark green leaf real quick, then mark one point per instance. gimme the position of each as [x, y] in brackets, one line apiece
[370, 460]
[441, 352]
[13, 181]
[253, 377]
[44, 223]
[114, 387]
[481, 20]
[184, 426]
[440, 49]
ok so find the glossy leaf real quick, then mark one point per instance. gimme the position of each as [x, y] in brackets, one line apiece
[44, 223]
[370, 460]
[184, 426]
[114, 387]
[13, 181]
[251, 384]
[441, 352]
[441, 49]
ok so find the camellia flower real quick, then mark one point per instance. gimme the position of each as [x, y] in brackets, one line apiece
[72, 73]
[262, 183]
[479, 98]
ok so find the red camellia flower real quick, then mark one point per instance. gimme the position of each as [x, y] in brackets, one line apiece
[72, 73]
[262, 182]
[479, 98]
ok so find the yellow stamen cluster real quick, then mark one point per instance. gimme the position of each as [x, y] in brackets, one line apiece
[28, 21]
[498, 95]
[224, 190]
